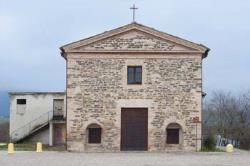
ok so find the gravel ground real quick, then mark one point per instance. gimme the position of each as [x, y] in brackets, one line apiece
[125, 159]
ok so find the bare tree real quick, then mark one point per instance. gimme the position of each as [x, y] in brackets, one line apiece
[229, 116]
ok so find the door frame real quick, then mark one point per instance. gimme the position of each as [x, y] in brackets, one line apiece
[142, 108]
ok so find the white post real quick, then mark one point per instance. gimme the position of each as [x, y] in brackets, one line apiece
[50, 134]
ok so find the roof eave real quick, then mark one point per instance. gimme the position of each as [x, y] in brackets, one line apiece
[206, 53]
[68, 47]
[63, 53]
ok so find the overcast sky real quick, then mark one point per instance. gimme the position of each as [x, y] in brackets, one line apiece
[31, 33]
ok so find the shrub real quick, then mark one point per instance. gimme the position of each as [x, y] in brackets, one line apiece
[209, 143]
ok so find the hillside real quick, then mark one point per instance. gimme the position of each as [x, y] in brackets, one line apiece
[4, 104]
[4, 120]
[4, 129]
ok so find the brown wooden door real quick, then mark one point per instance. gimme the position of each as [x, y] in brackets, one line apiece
[59, 134]
[134, 129]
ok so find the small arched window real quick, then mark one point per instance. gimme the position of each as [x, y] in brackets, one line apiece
[173, 133]
[94, 134]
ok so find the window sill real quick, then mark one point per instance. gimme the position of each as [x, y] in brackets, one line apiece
[174, 145]
[94, 144]
[134, 84]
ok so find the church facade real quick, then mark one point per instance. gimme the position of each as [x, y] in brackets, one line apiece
[134, 88]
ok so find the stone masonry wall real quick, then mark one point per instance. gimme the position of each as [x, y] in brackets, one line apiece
[97, 90]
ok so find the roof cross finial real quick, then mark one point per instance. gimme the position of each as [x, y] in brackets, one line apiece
[133, 8]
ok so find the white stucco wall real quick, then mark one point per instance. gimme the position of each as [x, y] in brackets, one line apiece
[37, 104]
[40, 136]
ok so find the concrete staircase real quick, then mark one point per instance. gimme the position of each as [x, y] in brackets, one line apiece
[31, 127]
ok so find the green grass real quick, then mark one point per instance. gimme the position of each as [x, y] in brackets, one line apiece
[203, 149]
[32, 147]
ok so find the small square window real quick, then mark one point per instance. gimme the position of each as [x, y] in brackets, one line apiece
[172, 136]
[94, 135]
[134, 75]
[21, 101]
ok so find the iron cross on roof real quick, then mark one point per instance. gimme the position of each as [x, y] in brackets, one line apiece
[133, 8]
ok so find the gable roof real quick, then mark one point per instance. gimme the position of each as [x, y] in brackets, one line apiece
[156, 41]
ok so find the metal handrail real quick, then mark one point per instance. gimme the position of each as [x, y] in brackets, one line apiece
[49, 114]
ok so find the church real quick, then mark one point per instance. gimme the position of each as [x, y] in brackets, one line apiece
[133, 88]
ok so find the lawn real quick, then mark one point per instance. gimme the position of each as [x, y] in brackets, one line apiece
[203, 149]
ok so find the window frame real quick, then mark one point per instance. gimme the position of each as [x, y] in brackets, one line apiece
[21, 101]
[175, 142]
[97, 140]
[134, 79]
[58, 112]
